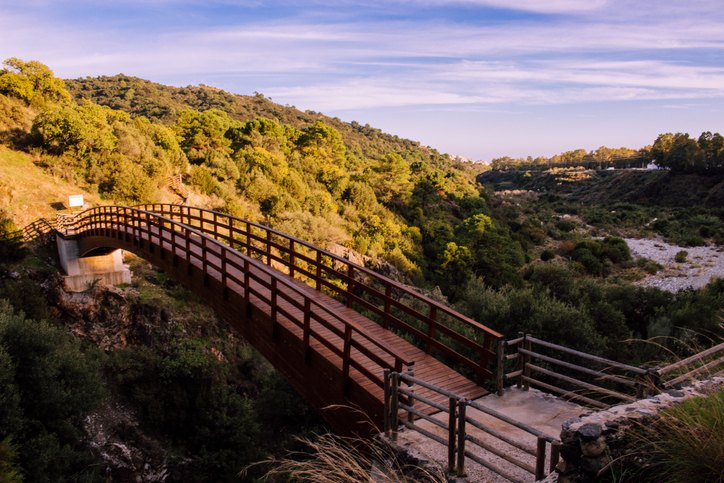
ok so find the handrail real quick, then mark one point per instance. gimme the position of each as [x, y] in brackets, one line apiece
[117, 217]
[638, 378]
[456, 423]
[241, 232]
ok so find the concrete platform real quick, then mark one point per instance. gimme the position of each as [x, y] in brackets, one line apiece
[535, 408]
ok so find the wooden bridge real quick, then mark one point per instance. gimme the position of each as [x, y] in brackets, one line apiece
[331, 327]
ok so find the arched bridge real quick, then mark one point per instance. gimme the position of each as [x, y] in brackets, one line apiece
[331, 327]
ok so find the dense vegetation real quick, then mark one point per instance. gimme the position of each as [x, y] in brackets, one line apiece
[552, 263]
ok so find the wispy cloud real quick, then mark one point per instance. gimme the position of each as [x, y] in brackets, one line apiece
[455, 54]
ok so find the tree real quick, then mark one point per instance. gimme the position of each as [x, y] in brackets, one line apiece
[32, 82]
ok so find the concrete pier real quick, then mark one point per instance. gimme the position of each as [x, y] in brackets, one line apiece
[82, 272]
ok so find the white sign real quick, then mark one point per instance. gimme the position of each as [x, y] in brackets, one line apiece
[75, 201]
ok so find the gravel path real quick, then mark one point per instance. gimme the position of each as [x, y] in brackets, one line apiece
[701, 266]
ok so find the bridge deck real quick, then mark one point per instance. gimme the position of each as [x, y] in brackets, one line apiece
[427, 367]
[332, 354]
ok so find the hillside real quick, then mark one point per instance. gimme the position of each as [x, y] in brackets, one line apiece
[651, 188]
[158, 102]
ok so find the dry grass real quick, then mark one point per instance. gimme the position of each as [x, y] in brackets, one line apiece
[335, 459]
[686, 443]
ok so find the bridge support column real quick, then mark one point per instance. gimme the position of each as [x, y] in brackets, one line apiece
[82, 272]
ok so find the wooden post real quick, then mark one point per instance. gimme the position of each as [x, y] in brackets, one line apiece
[394, 403]
[268, 247]
[526, 369]
[555, 455]
[248, 239]
[461, 437]
[501, 367]
[388, 295]
[411, 397]
[319, 270]
[273, 304]
[307, 328]
[521, 362]
[431, 328]
[540, 459]
[386, 400]
[346, 357]
[291, 257]
[350, 284]
[452, 416]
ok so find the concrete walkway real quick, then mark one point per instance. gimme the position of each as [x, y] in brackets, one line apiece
[540, 410]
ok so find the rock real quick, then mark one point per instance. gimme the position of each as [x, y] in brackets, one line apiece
[589, 432]
[593, 448]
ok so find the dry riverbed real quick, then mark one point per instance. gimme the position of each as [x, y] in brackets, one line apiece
[701, 266]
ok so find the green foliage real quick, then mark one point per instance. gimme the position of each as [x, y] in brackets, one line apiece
[48, 385]
[186, 396]
[680, 256]
[11, 245]
[32, 82]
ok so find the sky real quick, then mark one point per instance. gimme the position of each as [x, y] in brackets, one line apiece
[476, 78]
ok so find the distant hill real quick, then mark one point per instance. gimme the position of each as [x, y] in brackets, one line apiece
[661, 188]
[157, 102]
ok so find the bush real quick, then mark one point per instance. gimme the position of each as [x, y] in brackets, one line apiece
[547, 255]
[680, 256]
[48, 386]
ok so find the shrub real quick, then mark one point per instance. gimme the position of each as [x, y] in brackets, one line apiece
[680, 256]
[547, 255]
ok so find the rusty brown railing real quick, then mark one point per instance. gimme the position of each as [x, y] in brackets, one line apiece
[437, 328]
[240, 273]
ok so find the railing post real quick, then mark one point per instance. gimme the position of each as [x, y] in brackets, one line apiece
[319, 270]
[521, 362]
[501, 366]
[307, 328]
[268, 247]
[526, 370]
[452, 417]
[204, 267]
[431, 328]
[273, 303]
[410, 397]
[223, 274]
[291, 257]
[394, 403]
[386, 401]
[346, 357]
[350, 284]
[247, 288]
[462, 404]
[388, 295]
[540, 459]
[555, 455]
[248, 239]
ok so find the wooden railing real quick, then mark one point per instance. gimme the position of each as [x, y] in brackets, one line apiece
[38, 230]
[607, 381]
[240, 273]
[706, 362]
[456, 435]
[455, 338]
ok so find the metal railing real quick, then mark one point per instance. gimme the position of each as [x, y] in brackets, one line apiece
[454, 430]
[430, 324]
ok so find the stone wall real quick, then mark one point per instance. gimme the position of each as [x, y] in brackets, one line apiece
[590, 443]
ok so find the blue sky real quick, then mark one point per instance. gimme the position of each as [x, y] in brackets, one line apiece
[477, 78]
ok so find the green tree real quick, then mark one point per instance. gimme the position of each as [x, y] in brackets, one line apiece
[32, 82]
